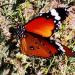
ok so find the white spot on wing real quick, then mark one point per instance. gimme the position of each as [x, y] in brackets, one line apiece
[59, 24]
[55, 13]
[54, 21]
[60, 46]
[57, 17]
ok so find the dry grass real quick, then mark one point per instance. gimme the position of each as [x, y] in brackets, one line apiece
[18, 11]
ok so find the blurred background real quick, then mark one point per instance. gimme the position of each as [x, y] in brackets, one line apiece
[12, 61]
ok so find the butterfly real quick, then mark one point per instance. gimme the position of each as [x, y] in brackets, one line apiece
[35, 35]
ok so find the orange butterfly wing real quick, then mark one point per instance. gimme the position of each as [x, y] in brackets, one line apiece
[33, 45]
[41, 26]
